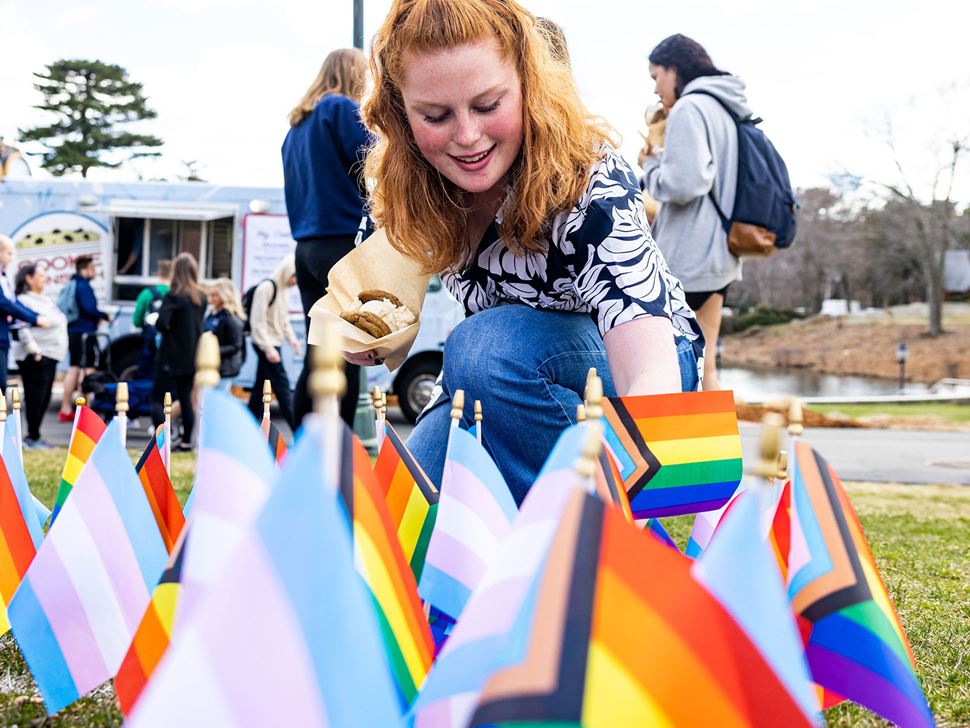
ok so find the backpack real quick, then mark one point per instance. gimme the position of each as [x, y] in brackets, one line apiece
[67, 301]
[247, 302]
[764, 218]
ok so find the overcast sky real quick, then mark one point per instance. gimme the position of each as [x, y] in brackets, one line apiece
[223, 74]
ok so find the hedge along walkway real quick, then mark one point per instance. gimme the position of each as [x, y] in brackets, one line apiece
[918, 536]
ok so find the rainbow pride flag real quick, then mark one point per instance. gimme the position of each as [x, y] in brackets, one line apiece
[77, 608]
[21, 527]
[610, 601]
[854, 642]
[609, 484]
[493, 630]
[88, 429]
[287, 636]
[153, 635]
[277, 445]
[677, 453]
[159, 491]
[412, 499]
[475, 514]
[381, 563]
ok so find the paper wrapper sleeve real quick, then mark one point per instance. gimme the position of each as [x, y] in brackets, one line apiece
[372, 264]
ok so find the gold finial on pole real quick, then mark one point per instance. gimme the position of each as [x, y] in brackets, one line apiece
[590, 453]
[375, 398]
[121, 399]
[796, 418]
[457, 406]
[3, 407]
[207, 361]
[167, 411]
[580, 412]
[15, 397]
[769, 446]
[594, 398]
[80, 402]
[384, 404]
[589, 376]
[327, 381]
[167, 404]
[267, 397]
[782, 473]
[478, 411]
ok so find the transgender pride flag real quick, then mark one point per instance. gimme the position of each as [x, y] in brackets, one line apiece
[475, 513]
[84, 594]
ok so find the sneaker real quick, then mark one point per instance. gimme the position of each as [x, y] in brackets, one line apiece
[65, 417]
[31, 444]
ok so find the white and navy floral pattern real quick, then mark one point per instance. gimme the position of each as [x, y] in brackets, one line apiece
[600, 259]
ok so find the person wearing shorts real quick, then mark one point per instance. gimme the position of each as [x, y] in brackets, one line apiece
[82, 343]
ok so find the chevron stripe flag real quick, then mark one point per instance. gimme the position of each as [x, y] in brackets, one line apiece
[738, 569]
[705, 525]
[312, 654]
[233, 473]
[79, 603]
[88, 429]
[277, 445]
[21, 526]
[854, 642]
[381, 563]
[158, 488]
[475, 513]
[609, 484]
[677, 453]
[411, 498]
[153, 635]
[493, 630]
[655, 528]
[611, 601]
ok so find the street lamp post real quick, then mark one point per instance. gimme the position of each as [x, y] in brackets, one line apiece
[902, 354]
[359, 24]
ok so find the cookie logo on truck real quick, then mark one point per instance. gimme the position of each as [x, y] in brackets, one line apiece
[33, 241]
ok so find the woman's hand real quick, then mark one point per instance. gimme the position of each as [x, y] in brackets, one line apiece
[363, 359]
[43, 322]
[273, 356]
[643, 358]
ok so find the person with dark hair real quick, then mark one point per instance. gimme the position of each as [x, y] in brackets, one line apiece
[37, 350]
[80, 306]
[694, 177]
[180, 325]
[10, 310]
[147, 306]
[323, 156]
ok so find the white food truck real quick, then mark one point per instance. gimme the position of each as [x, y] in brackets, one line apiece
[238, 232]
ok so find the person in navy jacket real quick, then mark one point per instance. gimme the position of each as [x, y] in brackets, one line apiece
[10, 309]
[79, 323]
[323, 156]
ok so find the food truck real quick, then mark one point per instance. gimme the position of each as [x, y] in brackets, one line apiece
[236, 232]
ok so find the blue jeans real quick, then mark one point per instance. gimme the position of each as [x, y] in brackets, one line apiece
[528, 367]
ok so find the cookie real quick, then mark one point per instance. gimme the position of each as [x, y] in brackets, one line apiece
[367, 322]
[375, 294]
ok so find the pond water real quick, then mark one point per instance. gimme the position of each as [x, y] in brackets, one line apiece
[765, 384]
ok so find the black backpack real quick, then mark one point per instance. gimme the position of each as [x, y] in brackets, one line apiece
[247, 301]
[765, 214]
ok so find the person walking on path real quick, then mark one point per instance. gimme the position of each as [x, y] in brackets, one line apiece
[226, 322]
[323, 156]
[180, 325]
[10, 310]
[37, 350]
[696, 173]
[269, 322]
[80, 306]
[147, 306]
[489, 170]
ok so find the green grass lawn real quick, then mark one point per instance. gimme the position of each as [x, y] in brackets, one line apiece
[948, 412]
[919, 535]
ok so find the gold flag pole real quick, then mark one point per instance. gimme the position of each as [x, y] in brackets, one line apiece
[457, 407]
[17, 424]
[594, 397]
[769, 447]
[589, 375]
[588, 459]
[267, 398]
[377, 402]
[580, 413]
[167, 410]
[478, 420]
[207, 361]
[3, 417]
[327, 381]
[121, 412]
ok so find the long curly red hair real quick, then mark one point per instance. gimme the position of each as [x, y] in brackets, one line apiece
[423, 213]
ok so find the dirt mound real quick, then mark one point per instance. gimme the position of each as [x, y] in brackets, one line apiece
[810, 418]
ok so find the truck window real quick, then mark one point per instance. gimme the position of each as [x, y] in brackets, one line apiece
[141, 242]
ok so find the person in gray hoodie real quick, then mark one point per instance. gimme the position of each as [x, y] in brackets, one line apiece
[699, 160]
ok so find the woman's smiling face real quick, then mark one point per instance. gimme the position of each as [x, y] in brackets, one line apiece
[464, 107]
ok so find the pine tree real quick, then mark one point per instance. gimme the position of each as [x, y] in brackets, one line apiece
[92, 99]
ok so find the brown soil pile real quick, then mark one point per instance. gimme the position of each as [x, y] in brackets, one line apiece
[853, 345]
[810, 418]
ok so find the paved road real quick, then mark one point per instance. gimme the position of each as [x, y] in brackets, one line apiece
[887, 456]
